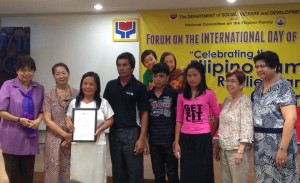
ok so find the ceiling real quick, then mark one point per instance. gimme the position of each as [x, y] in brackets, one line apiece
[17, 7]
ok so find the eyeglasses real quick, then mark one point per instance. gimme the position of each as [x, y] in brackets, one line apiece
[227, 81]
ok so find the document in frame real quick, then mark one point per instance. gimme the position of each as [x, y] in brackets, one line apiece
[85, 124]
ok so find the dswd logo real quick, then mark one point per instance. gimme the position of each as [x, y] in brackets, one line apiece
[125, 30]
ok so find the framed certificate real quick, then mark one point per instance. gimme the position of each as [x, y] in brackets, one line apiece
[85, 124]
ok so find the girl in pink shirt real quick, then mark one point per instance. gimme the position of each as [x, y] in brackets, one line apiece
[193, 134]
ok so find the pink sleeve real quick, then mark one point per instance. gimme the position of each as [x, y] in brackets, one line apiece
[214, 105]
[179, 108]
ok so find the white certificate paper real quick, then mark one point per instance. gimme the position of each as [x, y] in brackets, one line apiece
[84, 121]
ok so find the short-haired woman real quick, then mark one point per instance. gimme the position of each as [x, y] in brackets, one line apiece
[235, 131]
[21, 101]
[274, 113]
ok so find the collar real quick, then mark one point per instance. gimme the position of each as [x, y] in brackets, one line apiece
[17, 84]
[164, 90]
[131, 81]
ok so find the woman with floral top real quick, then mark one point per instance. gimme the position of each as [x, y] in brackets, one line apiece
[235, 131]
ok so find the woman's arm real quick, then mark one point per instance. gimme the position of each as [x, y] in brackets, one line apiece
[215, 108]
[215, 126]
[289, 115]
[179, 121]
[23, 121]
[54, 127]
[104, 126]
[246, 125]
[69, 124]
[176, 146]
[35, 123]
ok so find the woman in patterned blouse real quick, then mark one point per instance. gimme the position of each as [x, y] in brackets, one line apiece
[235, 131]
[274, 114]
[57, 141]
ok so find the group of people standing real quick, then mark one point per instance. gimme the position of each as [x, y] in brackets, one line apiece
[166, 123]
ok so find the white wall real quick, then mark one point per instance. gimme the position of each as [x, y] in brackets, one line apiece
[83, 42]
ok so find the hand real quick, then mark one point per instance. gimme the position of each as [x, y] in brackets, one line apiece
[217, 149]
[70, 126]
[97, 134]
[34, 124]
[139, 146]
[146, 149]
[151, 86]
[25, 122]
[68, 137]
[65, 144]
[281, 158]
[238, 158]
[177, 150]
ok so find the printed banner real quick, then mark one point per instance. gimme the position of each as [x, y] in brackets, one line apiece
[227, 38]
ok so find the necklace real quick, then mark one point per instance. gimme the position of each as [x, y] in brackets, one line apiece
[64, 97]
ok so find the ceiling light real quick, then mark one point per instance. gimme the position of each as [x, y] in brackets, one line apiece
[98, 7]
[231, 1]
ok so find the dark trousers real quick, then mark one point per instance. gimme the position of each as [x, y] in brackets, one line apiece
[196, 162]
[126, 166]
[19, 168]
[164, 163]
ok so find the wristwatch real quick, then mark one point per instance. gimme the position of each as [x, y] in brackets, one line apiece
[18, 120]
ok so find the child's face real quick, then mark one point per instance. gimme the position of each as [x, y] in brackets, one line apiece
[149, 61]
[177, 83]
[160, 79]
[169, 60]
